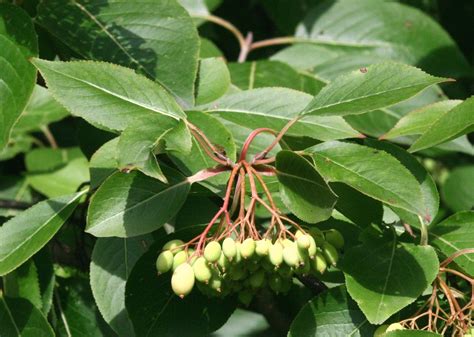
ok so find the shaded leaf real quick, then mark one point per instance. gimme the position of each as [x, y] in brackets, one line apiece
[350, 27]
[158, 317]
[112, 262]
[19, 318]
[149, 36]
[103, 162]
[332, 313]
[385, 276]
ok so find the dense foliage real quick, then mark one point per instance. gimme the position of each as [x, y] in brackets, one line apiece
[275, 168]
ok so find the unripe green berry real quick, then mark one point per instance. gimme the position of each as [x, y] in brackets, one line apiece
[245, 296]
[201, 269]
[182, 280]
[312, 247]
[173, 246]
[275, 282]
[317, 235]
[248, 248]
[237, 272]
[381, 330]
[223, 262]
[275, 254]
[216, 283]
[335, 238]
[303, 241]
[164, 262]
[286, 243]
[395, 326]
[285, 271]
[238, 255]
[290, 256]
[179, 259]
[262, 247]
[229, 248]
[257, 279]
[212, 252]
[319, 263]
[330, 253]
[298, 233]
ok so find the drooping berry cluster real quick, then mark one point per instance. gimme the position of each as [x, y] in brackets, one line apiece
[243, 267]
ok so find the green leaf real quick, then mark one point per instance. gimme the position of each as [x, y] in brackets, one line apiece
[453, 123]
[259, 74]
[19, 318]
[107, 96]
[420, 120]
[197, 159]
[179, 139]
[103, 162]
[48, 159]
[385, 276]
[209, 49]
[274, 108]
[458, 189]
[374, 87]
[372, 172]
[213, 80]
[132, 204]
[42, 109]
[149, 36]
[138, 141]
[112, 262]
[332, 313]
[17, 79]
[25, 234]
[76, 312]
[453, 235]
[367, 27]
[153, 306]
[64, 180]
[302, 189]
[24, 283]
[429, 191]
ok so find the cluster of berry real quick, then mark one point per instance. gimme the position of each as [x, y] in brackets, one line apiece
[244, 267]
